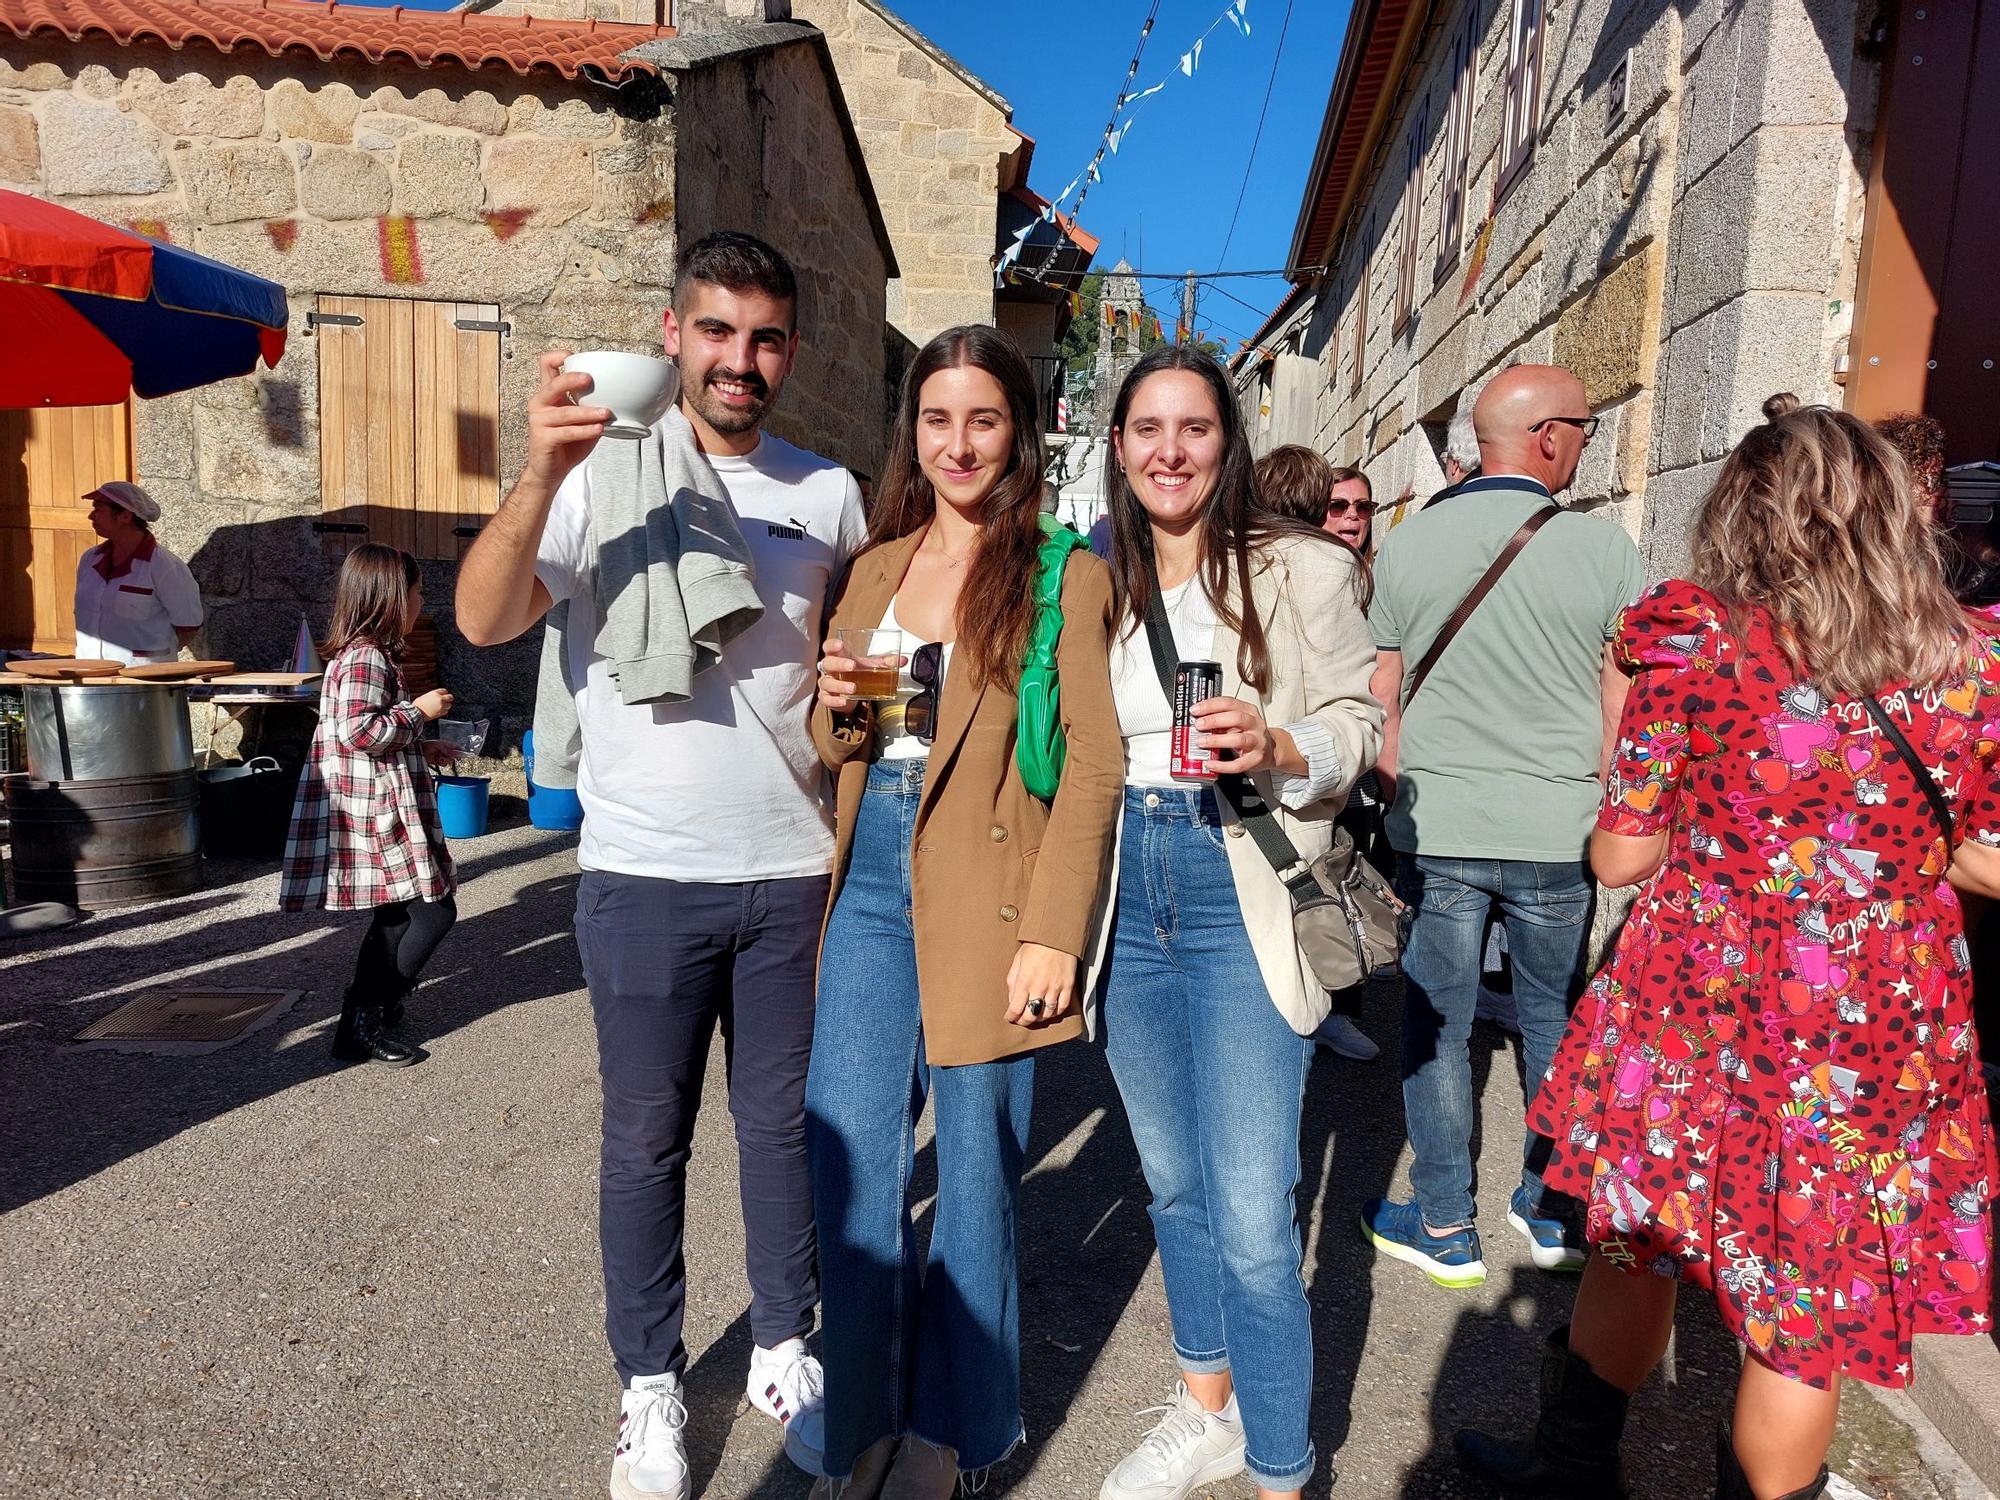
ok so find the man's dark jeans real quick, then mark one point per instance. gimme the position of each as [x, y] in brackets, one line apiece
[1546, 908]
[665, 961]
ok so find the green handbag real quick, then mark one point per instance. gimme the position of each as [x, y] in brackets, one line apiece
[1039, 746]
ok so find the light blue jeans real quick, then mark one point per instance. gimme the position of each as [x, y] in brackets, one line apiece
[910, 1345]
[1547, 911]
[1213, 1080]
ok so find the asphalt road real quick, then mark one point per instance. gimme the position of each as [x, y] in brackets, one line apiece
[250, 1274]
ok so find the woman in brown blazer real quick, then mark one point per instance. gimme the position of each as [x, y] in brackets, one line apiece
[960, 905]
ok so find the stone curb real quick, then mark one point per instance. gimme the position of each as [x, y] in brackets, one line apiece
[1958, 1388]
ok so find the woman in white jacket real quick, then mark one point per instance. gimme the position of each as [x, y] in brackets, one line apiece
[1206, 1002]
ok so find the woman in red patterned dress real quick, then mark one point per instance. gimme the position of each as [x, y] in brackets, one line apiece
[1772, 1091]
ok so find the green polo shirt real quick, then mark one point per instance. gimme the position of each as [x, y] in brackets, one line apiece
[1498, 755]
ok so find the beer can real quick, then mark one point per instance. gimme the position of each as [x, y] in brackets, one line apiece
[1194, 682]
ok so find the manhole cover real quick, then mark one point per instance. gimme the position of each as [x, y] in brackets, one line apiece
[201, 1017]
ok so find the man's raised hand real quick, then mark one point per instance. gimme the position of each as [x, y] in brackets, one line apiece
[560, 432]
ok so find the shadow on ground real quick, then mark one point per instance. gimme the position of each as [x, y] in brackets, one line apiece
[71, 1113]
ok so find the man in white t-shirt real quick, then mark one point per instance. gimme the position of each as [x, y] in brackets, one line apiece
[707, 842]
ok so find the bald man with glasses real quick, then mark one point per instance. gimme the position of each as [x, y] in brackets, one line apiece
[1493, 762]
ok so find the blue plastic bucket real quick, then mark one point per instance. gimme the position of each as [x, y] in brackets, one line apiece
[462, 806]
[549, 806]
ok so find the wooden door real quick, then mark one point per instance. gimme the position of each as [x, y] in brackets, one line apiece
[1927, 312]
[456, 373]
[48, 458]
[409, 423]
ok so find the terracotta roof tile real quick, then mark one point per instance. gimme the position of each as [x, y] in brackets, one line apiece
[329, 30]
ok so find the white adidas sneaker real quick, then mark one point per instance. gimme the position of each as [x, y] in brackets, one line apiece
[1189, 1448]
[787, 1385]
[650, 1461]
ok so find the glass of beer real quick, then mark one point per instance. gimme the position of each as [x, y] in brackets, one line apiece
[878, 662]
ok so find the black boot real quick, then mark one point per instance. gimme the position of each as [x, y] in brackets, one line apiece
[1573, 1452]
[1730, 1483]
[359, 1036]
[392, 1008]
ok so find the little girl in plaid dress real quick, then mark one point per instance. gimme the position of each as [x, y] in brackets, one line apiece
[365, 831]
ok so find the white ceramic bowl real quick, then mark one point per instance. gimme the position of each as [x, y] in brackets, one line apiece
[637, 388]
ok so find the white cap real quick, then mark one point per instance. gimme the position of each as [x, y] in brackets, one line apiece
[127, 496]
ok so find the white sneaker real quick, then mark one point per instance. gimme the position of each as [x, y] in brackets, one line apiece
[650, 1461]
[786, 1385]
[1190, 1448]
[1340, 1036]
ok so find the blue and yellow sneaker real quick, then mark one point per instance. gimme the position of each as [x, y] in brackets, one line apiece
[1397, 1230]
[1553, 1244]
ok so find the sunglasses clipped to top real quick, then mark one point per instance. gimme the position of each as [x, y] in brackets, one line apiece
[927, 672]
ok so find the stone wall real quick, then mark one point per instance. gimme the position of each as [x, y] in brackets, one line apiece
[761, 149]
[533, 194]
[392, 180]
[1609, 254]
[1778, 118]
[934, 143]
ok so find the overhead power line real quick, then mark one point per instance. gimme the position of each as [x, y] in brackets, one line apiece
[1289, 273]
[1258, 138]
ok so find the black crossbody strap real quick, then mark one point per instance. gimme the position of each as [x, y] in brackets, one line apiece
[1160, 636]
[1926, 783]
[1480, 590]
[1242, 795]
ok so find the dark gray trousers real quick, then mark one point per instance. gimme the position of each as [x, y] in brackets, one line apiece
[667, 960]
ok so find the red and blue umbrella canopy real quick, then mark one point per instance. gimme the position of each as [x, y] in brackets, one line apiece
[94, 313]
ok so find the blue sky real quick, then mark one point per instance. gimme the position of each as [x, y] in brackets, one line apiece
[1166, 198]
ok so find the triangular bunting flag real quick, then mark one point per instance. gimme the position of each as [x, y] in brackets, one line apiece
[1146, 93]
[1237, 18]
[1191, 59]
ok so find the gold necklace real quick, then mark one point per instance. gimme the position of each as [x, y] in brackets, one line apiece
[956, 562]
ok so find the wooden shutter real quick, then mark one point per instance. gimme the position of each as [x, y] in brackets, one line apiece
[1413, 204]
[1521, 115]
[409, 422]
[457, 424]
[48, 458]
[1458, 143]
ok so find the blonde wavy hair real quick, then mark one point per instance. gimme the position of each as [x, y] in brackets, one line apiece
[1814, 521]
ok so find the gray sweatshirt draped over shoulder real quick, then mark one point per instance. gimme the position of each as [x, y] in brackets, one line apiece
[673, 583]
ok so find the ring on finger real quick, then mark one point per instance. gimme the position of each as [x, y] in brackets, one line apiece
[1036, 1005]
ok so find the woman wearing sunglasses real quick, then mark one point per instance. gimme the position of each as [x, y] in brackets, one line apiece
[1350, 509]
[1207, 1004]
[961, 903]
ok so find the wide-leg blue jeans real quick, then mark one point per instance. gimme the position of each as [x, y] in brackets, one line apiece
[912, 1344]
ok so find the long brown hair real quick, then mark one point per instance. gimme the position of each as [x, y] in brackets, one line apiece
[1233, 524]
[368, 599]
[996, 604]
[1813, 520]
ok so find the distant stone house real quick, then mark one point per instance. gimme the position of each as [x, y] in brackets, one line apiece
[951, 172]
[443, 197]
[1691, 205]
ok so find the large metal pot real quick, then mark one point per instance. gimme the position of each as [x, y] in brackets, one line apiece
[96, 733]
